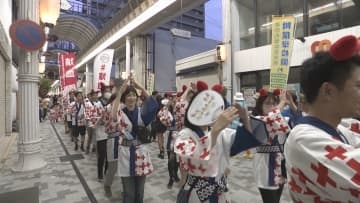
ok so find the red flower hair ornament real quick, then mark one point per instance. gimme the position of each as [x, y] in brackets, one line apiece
[218, 88]
[103, 86]
[201, 86]
[345, 48]
[263, 92]
[184, 87]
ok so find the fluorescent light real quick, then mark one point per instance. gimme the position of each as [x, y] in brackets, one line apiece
[55, 83]
[266, 24]
[140, 19]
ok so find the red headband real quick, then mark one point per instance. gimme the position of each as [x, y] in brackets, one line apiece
[345, 48]
[264, 93]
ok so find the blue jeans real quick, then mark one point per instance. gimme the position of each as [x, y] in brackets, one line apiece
[133, 189]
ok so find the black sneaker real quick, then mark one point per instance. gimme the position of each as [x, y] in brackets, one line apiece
[177, 179]
[76, 147]
[170, 184]
[161, 155]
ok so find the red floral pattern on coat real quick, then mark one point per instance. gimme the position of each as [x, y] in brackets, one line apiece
[179, 113]
[113, 126]
[165, 117]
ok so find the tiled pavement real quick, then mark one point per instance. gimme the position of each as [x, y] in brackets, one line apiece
[58, 182]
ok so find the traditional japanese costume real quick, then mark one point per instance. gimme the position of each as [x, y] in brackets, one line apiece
[93, 114]
[272, 130]
[323, 163]
[205, 164]
[77, 111]
[167, 119]
[113, 129]
[133, 156]
[67, 101]
[179, 112]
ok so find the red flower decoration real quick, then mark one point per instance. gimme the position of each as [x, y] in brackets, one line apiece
[344, 48]
[276, 92]
[184, 87]
[263, 92]
[218, 88]
[201, 86]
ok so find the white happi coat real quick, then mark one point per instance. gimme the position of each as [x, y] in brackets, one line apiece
[116, 152]
[77, 111]
[198, 159]
[167, 119]
[143, 164]
[267, 173]
[93, 114]
[179, 113]
[322, 164]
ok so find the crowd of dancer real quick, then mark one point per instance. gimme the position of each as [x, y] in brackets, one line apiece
[308, 141]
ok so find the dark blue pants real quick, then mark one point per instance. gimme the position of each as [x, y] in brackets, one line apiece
[133, 189]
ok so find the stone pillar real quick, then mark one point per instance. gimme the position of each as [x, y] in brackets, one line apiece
[89, 74]
[29, 141]
[235, 42]
[117, 66]
[8, 98]
[227, 64]
[127, 56]
[139, 59]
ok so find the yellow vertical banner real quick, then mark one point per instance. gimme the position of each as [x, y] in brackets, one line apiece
[283, 30]
[151, 82]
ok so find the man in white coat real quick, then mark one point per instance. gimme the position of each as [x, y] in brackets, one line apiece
[323, 158]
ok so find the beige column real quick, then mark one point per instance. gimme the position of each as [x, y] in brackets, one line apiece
[8, 97]
[128, 56]
[139, 59]
[227, 64]
[29, 140]
[89, 74]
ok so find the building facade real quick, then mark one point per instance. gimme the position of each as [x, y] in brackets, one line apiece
[6, 68]
[316, 20]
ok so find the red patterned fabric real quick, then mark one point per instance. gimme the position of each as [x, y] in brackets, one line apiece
[329, 168]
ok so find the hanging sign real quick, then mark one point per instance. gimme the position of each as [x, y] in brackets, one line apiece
[283, 29]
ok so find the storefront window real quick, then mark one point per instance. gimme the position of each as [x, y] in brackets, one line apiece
[261, 78]
[325, 15]
[246, 24]
[278, 7]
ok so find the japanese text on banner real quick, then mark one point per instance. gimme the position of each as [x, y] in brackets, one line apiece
[283, 29]
[102, 68]
[68, 75]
